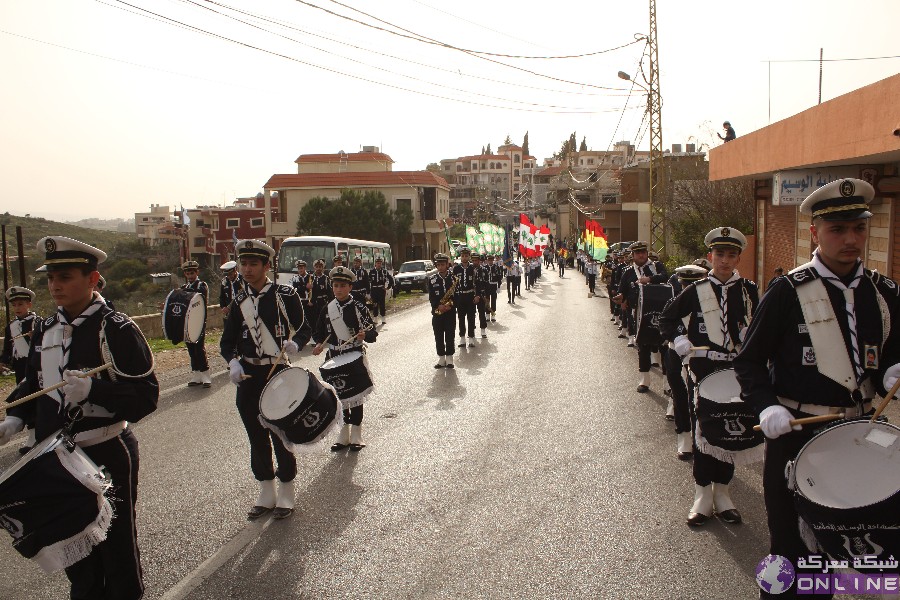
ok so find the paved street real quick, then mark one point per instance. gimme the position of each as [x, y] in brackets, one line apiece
[533, 470]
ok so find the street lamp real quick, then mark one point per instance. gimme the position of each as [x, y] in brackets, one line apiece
[627, 77]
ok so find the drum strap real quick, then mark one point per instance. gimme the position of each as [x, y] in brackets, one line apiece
[259, 332]
[20, 345]
[336, 316]
[712, 312]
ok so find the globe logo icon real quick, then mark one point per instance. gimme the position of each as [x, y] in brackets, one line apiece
[775, 574]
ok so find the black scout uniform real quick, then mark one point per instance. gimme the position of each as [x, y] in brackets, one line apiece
[197, 350]
[126, 393]
[784, 373]
[464, 297]
[380, 282]
[320, 294]
[483, 285]
[628, 287]
[17, 335]
[361, 286]
[444, 324]
[301, 283]
[229, 288]
[496, 278]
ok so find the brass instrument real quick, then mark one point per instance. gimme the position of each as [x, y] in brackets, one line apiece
[447, 298]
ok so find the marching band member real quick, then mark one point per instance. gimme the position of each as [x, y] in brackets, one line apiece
[465, 297]
[641, 272]
[197, 350]
[590, 269]
[495, 276]
[381, 281]
[343, 326]
[513, 281]
[718, 310]
[617, 308]
[84, 334]
[16, 341]
[232, 285]
[443, 311]
[302, 282]
[320, 293]
[266, 320]
[362, 289]
[818, 345]
[483, 285]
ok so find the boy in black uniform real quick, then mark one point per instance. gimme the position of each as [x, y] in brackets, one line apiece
[84, 334]
[464, 297]
[817, 346]
[320, 293]
[443, 311]
[197, 350]
[483, 287]
[719, 309]
[17, 339]
[361, 287]
[302, 283]
[496, 278]
[232, 285]
[641, 272]
[266, 320]
[380, 281]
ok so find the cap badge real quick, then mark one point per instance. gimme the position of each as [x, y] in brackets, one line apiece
[248, 245]
[50, 245]
[847, 188]
[726, 232]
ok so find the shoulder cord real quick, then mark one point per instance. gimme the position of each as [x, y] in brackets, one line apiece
[280, 303]
[108, 357]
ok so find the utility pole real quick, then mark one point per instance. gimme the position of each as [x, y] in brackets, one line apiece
[657, 175]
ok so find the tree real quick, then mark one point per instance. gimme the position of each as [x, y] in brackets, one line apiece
[698, 206]
[433, 167]
[482, 151]
[583, 147]
[356, 214]
[567, 146]
[525, 150]
[488, 150]
[508, 139]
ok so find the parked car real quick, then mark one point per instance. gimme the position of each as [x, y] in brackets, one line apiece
[413, 275]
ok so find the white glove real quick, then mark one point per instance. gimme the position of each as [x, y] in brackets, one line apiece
[290, 347]
[9, 427]
[682, 345]
[775, 421]
[742, 334]
[235, 371]
[77, 388]
[890, 377]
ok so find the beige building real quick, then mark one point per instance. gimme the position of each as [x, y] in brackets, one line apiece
[155, 226]
[426, 194]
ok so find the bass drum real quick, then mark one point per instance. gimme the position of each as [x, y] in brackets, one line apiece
[299, 409]
[846, 484]
[725, 422]
[652, 299]
[349, 374]
[184, 316]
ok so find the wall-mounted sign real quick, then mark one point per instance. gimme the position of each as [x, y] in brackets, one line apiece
[790, 188]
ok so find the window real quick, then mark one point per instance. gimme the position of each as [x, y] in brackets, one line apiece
[516, 173]
[199, 242]
[200, 223]
[516, 187]
[232, 223]
[516, 158]
[256, 222]
[590, 161]
[145, 219]
[405, 203]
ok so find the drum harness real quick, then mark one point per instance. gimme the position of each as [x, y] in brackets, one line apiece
[350, 342]
[257, 336]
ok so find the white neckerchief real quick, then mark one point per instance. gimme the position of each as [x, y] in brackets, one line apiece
[723, 303]
[68, 331]
[849, 304]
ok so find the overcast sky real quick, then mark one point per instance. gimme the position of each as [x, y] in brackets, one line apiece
[107, 108]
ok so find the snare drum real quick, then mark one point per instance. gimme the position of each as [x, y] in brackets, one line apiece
[846, 484]
[184, 316]
[53, 504]
[299, 408]
[349, 374]
[725, 422]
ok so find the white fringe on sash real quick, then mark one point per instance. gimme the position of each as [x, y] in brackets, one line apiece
[66, 553]
[322, 441]
[741, 457]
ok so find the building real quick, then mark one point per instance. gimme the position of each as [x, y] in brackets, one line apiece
[425, 194]
[854, 135]
[156, 226]
[211, 230]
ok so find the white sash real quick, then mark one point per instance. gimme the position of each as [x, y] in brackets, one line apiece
[20, 345]
[342, 333]
[262, 338]
[51, 359]
[712, 312]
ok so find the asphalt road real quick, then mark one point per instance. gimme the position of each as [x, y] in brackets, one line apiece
[532, 470]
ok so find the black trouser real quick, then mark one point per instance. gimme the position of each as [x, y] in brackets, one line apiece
[113, 568]
[511, 288]
[680, 397]
[644, 351]
[592, 281]
[465, 310]
[378, 298]
[197, 352]
[517, 285]
[707, 469]
[353, 416]
[262, 441]
[483, 309]
[562, 268]
[632, 323]
[444, 327]
[492, 299]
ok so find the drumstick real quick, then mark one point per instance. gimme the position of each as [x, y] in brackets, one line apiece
[806, 420]
[54, 387]
[276, 363]
[887, 399]
[21, 335]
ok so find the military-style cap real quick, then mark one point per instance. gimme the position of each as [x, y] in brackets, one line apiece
[190, 265]
[357, 258]
[41, 269]
[254, 249]
[319, 263]
[638, 247]
[378, 259]
[338, 257]
[703, 263]
[725, 237]
[464, 250]
[301, 263]
[101, 282]
[63, 252]
[19, 293]
[342, 274]
[691, 273]
[441, 257]
[229, 266]
[841, 200]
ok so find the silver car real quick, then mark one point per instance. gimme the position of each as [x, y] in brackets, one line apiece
[413, 275]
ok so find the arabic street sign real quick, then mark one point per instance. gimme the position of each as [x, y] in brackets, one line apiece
[790, 188]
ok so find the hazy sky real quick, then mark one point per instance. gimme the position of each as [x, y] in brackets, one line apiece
[107, 108]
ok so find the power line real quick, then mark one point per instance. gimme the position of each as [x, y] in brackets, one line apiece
[829, 59]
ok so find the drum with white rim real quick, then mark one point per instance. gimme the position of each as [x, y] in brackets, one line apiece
[846, 484]
[725, 422]
[53, 503]
[349, 374]
[184, 316]
[299, 408]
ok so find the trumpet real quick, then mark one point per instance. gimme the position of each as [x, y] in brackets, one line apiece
[447, 298]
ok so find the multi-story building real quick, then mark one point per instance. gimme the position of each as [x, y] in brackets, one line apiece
[212, 229]
[425, 194]
[156, 225]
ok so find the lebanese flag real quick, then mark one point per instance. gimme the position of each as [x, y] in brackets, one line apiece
[527, 231]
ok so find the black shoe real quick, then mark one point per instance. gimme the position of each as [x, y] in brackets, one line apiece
[451, 366]
[207, 385]
[670, 417]
[622, 336]
[685, 455]
[730, 516]
[697, 519]
[463, 345]
[23, 451]
[642, 389]
[654, 364]
[337, 446]
[282, 513]
[356, 447]
[509, 302]
[193, 383]
[439, 366]
[256, 512]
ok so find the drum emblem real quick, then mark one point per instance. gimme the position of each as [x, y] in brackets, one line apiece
[13, 526]
[338, 383]
[734, 426]
[862, 546]
[311, 419]
[176, 309]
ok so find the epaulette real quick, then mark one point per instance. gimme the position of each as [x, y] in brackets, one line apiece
[285, 289]
[801, 276]
[50, 321]
[118, 318]
[750, 283]
[880, 280]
